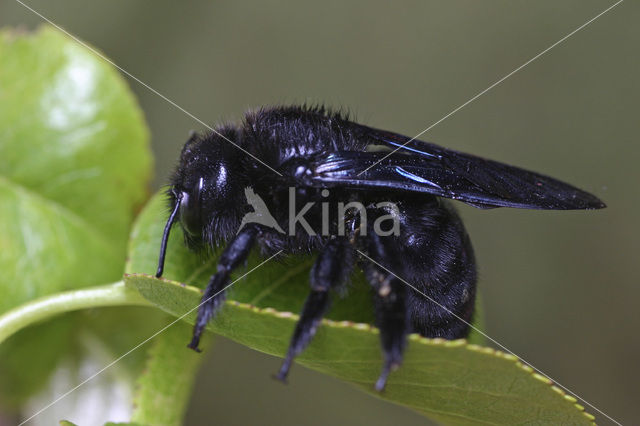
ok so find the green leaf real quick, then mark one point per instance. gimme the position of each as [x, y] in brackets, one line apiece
[24, 363]
[60, 101]
[74, 166]
[120, 328]
[48, 306]
[123, 424]
[48, 248]
[450, 381]
[165, 386]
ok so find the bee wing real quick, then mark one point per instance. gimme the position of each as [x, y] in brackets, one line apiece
[424, 167]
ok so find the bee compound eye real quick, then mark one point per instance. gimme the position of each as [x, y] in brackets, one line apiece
[190, 211]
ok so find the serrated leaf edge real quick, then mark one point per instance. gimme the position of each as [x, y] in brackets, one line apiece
[412, 337]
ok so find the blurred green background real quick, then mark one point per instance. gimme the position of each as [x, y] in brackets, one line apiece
[560, 288]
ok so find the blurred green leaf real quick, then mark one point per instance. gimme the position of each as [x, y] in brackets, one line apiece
[74, 167]
[71, 130]
[24, 363]
[123, 424]
[46, 248]
[452, 382]
[163, 390]
[122, 328]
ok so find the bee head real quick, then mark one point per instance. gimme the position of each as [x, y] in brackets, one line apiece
[207, 190]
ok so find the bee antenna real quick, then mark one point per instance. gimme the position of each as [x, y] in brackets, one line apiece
[165, 235]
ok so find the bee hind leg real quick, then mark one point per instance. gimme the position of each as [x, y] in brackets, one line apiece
[390, 302]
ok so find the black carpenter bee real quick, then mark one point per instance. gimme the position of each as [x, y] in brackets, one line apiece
[328, 185]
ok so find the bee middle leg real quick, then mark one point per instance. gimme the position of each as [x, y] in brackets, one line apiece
[331, 269]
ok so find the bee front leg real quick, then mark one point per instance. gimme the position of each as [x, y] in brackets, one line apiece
[331, 269]
[233, 255]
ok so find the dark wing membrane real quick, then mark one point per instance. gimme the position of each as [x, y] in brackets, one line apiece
[428, 168]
